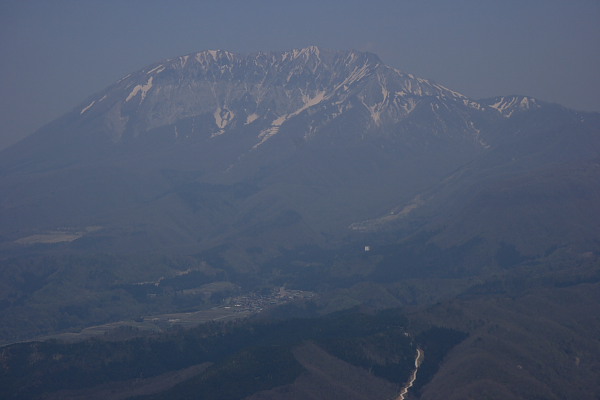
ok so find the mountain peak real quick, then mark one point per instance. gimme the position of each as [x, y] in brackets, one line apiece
[329, 56]
[264, 90]
[508, 105]
[305, 52]
[215, 55]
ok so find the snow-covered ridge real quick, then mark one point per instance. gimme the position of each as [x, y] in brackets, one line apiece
[325, 70]
[208, 56]
[268, 89]
[508, 105]
[296, 53]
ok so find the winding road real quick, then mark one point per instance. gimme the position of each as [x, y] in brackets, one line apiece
[413, 377]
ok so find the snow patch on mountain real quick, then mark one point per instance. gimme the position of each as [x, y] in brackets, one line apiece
[141, 89]
[445, 90]
[478, 137]
[223, 117]
[88, 107]
[157, 70]
[357, 73]
[507, 106]
[211, 56]
[251, 118]
[183, 60]
[266, 134]
[473, 104]
[307, 52]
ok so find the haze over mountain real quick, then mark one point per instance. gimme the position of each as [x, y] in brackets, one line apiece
[94, 44]
[215, 143]
[322, 170]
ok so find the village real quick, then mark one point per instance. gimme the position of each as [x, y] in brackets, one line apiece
[232, 308]
[255, 302]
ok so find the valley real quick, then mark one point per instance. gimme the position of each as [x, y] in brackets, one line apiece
[234, 308]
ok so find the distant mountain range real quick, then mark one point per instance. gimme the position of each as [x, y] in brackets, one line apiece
[324, 170]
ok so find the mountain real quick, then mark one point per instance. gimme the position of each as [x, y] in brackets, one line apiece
[215, 176]
[274, 150]
[163, 134]
[216, 144]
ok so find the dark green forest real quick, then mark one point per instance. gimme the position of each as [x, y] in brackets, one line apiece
[257, 355]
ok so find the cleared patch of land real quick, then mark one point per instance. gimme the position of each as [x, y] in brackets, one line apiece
[56, 236]
[155, 323]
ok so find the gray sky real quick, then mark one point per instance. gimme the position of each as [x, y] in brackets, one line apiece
[56, 53]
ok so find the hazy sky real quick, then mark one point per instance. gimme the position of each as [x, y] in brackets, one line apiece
[56, 53]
